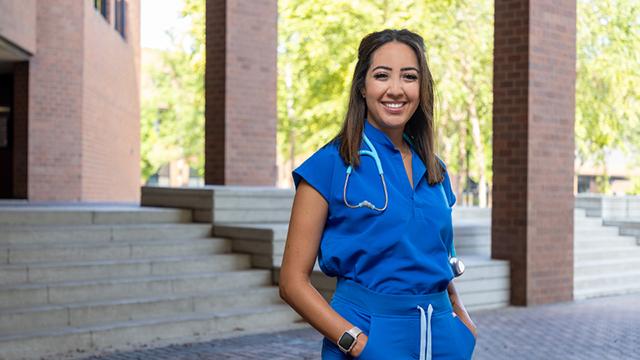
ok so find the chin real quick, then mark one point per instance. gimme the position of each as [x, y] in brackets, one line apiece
[391, 121]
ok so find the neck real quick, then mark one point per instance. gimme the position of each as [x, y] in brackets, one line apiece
[394, 134]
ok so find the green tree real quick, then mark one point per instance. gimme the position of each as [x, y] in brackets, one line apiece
[608, 81]
[318, 48]
[172, 105]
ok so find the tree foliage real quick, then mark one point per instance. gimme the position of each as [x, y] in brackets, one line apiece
[317, 50]
[608, 80]
[172, 104]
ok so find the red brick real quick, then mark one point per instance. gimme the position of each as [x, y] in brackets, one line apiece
[240, 83]
[533, 147]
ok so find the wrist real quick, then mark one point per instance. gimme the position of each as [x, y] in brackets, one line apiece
[349, 339]
[361, 341]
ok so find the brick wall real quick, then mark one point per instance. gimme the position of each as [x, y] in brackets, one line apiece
[533, 147]
[110, 107]
[18, 23]
[55, 102]
[240, 130]
[84, 105]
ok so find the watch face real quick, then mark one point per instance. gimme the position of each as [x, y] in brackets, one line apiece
[346, 340]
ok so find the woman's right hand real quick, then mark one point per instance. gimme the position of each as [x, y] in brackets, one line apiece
[362, 342]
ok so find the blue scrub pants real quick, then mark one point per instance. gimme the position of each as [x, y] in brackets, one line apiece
[400, 327]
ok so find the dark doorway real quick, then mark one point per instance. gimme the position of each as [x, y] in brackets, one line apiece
[6, 138]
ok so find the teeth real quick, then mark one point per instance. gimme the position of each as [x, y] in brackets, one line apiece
[394, 105]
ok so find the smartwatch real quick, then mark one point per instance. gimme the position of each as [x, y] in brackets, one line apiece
[348, 339]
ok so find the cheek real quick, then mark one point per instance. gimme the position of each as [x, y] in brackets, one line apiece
[413, 92]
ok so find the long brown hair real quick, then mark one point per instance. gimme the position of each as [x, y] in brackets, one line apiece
[420, 128]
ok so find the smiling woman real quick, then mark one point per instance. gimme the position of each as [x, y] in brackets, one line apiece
[374, 206]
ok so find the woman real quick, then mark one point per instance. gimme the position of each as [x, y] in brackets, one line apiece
[384, 229]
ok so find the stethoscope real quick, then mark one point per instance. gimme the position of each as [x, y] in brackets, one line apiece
[457, 266]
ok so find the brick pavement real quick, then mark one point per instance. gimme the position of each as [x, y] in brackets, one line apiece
[604, 328]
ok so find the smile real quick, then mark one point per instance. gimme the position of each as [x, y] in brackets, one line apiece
[397, 105]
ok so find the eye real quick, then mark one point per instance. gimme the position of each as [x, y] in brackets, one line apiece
[380, 76]
[411, 77]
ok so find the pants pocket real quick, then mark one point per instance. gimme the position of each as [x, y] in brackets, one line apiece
[468, 340]
[330, 351]
[368, 350]
[392, 338]
[355, 316]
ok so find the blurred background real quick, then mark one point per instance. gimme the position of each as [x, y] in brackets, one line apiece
[317, 45]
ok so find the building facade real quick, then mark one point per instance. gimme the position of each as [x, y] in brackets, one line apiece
[69, 100]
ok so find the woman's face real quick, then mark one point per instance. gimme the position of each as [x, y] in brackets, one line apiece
[392, 85]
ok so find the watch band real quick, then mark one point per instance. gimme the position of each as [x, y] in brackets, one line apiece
[348, 339]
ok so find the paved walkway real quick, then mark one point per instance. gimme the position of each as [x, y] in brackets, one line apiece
[604, 328]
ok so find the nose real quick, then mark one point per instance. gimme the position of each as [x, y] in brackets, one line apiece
[395, 88]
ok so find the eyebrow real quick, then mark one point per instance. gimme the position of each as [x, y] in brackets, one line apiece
[402, 69]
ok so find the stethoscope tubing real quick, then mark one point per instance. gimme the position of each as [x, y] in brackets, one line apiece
[457, 266]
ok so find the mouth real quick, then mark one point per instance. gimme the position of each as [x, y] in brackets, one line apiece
[394, 107]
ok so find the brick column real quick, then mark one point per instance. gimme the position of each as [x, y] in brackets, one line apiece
[240, 86]
[55, 103]
[533, 146]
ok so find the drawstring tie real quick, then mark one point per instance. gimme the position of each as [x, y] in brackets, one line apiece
[425, 327]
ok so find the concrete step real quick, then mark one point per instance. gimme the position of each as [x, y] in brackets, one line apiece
[577, 212]
[483, 250]
[472, 237]
[226, 204]
[485, 283]
[583, 221]
[601, 291]
[21, 254]
[27, 234]
[151, 332]
[613, 266]
[482, 285]
[591, 205]
[111, 289]
[626, 223]
[581, 255]
[630, 232]
[470, 213]
[487, 300]
[86, 214]
[99, 312]
[608, 279]
[596, 231]
[112, 269]
[265, 242]
[605, 242]
[481, 267]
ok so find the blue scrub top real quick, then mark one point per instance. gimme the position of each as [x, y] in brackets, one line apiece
[402, 250]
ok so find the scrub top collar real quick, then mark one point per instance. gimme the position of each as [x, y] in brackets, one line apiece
[378, 136]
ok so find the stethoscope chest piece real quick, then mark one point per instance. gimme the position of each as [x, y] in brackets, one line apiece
[457, 266]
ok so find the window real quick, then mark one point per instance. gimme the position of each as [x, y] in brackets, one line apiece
[101, 7]
[121, 19]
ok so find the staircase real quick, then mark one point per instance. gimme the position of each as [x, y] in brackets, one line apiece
[606, 258]
[486, 282]
[75, 280]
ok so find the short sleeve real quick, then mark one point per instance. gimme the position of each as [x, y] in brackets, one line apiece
[446, 184]
[317, 170]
